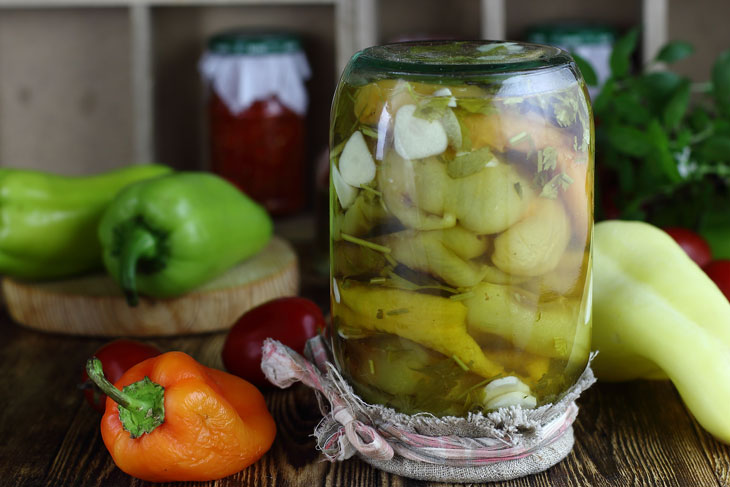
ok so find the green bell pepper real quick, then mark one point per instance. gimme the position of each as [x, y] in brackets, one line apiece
[49, 222]
[164, 237]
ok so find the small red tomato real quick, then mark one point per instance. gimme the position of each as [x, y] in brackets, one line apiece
[719, 271]
[116, 358]
[692, 243]
[290, 320]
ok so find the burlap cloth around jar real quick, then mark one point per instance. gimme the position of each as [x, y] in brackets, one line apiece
[500, 445]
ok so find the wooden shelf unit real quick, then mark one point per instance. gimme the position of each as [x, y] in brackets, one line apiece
[356, 26]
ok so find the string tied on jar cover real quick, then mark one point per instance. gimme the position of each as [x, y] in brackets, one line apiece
[460, 449]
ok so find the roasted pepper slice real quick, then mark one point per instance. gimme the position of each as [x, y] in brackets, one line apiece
[434, 322]
[442, 253]
[553, 329]
[177, 420]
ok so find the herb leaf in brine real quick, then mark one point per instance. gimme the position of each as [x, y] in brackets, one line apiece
[518, 189]
[559, 181]
[469, 163]
[547, 159]
[452, 127]
[465, 135]
[485, 106]
[432, 108]
[369, 131]
[337, 150]
[565, 108]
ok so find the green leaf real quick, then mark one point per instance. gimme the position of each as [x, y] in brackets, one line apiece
[677, 106]
[657, 87]
[721, 126]
[682, 140]
[470, 163]
[626, 176]
[715, 227]
[661, 156]
[604, 98]
[674, 51]
[716, 148]
[621, 55]
[629, 109]
[586, 69]
[629, 140]
[721, 83]
[699, 119]
[663, 82]
[633, 211]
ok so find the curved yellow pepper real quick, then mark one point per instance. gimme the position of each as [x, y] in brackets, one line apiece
[434, 322]
[656, 312]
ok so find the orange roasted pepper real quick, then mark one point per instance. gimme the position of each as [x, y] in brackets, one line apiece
[176, 420]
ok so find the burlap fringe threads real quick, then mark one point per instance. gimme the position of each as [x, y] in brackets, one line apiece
[499, 445]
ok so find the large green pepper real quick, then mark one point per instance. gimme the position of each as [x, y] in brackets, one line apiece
[48, 222]
[166, 236]
[656, 314]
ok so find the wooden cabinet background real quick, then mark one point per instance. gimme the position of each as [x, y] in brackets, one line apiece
[88, 85]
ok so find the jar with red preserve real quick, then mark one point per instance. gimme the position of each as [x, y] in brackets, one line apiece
[256, 111]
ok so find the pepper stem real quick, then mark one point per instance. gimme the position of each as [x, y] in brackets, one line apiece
[141, 405]
[137, 243]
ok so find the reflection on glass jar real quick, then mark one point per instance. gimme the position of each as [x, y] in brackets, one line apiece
[461, 218]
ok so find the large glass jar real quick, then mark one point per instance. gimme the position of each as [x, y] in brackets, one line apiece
[461, 221]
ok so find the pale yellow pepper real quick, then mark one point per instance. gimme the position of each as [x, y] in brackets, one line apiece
[655, 310]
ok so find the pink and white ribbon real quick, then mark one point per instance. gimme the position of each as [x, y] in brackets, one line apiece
[355, 433]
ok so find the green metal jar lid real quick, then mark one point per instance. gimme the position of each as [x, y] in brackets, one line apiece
[571, 34]
[253, 43]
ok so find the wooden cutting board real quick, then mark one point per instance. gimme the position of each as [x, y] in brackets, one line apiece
[94, 304]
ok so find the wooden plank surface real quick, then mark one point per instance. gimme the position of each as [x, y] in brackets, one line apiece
[632, 434]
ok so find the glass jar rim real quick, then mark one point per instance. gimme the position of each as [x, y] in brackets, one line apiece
[482, 57]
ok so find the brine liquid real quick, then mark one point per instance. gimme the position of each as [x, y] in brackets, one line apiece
[461, 226]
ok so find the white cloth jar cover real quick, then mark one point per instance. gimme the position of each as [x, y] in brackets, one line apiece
[483, 447]
[242, 79]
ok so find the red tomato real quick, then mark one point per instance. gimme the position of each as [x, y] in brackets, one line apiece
[116, 358]
[692, 243]
[290, 320]
[719, 271]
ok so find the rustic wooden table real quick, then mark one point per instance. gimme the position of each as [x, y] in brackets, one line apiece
[633, 434]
